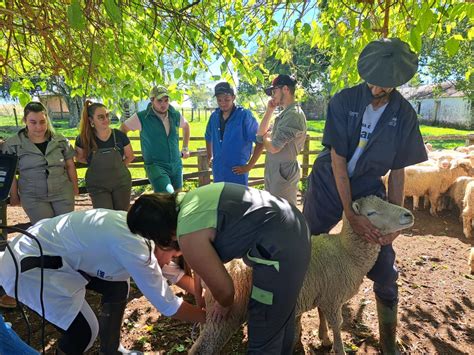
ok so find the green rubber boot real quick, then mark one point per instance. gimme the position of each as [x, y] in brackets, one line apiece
[387, 328]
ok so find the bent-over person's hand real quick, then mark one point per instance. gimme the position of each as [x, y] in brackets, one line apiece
[362, 226]
[219, 313]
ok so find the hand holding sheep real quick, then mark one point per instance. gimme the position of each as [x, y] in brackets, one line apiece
[219, 313]
[362, 226]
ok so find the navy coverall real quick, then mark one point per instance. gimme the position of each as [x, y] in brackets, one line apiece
[395, 143]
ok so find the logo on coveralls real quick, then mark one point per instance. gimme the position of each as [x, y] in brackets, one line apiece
[393, 122]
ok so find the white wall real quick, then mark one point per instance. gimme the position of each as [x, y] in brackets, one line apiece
[453, 110]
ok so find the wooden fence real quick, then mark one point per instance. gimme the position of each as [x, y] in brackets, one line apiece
[202, 172]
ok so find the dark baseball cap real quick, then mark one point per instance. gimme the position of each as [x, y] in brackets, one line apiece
[279, 81]
[387, 62]
[223, 88]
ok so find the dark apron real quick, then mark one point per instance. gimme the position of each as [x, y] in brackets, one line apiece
[106, 171]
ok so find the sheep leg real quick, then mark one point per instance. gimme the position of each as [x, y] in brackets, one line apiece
[335, 322]
[297, 344]
[416, 202]
[434, 204]
[467, 225]
[426, 202]
[323, 329]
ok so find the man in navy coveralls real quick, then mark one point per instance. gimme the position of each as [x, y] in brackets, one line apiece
[370, 130]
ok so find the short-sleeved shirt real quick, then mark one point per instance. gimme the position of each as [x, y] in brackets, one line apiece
[234, 147]
[121, 141]
[242, 217]
[288, 133]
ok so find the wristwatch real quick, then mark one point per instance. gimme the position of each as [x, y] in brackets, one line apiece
[259, 139]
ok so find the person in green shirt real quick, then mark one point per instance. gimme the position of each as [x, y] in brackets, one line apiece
[216, 223]
[159, 126]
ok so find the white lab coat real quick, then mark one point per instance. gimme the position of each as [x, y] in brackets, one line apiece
[97, 242]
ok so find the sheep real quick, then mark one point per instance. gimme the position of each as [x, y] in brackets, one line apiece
[432, 181]
[338, 265]
[456, 192]
[471, 260]
[464, 149]
[468, 209]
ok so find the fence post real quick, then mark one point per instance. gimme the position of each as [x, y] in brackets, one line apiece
[306, 155]
[470, 139]
[203, 166]
[16, 117]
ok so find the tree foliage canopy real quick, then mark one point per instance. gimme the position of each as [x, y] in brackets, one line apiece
[118, 48]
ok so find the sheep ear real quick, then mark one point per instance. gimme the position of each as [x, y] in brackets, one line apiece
[356, 207]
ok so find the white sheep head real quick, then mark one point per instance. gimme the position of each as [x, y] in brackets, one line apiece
[387, 217]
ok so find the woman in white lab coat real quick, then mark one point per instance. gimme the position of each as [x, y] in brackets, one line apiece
[95, 250]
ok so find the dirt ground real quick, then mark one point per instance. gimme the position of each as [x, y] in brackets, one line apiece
[436, 310]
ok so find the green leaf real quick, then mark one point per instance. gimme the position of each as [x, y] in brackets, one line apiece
[306, 29]
[24, 98]
[426, 20]
[258, 74]
[113, 10]
[452, 46]
[75, 15]
[177, 73]
[415, 39]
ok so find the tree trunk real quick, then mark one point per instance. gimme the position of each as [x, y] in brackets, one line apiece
[75, 108]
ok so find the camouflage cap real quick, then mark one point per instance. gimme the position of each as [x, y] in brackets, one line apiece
[159, 92]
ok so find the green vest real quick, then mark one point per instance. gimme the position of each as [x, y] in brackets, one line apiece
[157, 147]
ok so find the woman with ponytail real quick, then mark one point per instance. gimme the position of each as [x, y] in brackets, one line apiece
[107, 152]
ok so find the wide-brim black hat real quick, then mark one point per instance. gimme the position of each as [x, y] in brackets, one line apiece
[387, 63]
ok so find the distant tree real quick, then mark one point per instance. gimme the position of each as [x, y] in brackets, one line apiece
[200, 95]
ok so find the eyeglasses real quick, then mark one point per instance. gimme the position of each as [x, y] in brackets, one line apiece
[103, 117]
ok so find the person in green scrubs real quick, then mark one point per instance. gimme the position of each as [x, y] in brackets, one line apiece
[216, 223]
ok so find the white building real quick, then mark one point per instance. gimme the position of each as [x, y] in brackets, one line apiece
[442, 105]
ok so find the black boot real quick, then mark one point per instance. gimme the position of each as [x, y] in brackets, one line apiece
[387, 327]
[110, 324]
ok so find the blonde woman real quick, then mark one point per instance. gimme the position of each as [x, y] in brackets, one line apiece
[107, 152]
[47, 179]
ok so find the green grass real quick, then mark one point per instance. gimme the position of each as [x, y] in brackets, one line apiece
[198, 127]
